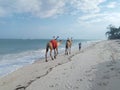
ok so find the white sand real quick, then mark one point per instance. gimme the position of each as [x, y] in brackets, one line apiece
[95, 68]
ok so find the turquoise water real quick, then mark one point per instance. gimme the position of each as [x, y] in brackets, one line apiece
[15, 53]
[18, 45]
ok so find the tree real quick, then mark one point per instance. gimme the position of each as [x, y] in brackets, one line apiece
[113, 33]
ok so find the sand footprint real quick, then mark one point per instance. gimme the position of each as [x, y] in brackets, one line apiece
[19, 87]
[90, 80]
[51, 86]
[106, 77]
[88, 71]
[80, 80]
[103, 83]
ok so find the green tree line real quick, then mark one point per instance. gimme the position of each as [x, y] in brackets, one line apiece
[113, 33]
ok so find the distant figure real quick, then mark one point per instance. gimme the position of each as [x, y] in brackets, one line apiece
[68, 46]
[79, 46]
[52, 45]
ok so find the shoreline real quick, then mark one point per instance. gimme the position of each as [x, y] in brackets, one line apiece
[13, 61]
[92, 68]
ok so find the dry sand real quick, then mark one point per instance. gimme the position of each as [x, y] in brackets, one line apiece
[96, 67]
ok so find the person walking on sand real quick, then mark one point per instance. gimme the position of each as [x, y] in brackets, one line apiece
[52, 45]
[79, 46]
[68, 46]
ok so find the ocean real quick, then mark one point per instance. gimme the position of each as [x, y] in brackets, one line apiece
[16, 53]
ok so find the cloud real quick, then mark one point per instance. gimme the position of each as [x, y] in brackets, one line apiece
[27, 6]
[39, 8]
[36, 8]
[48, 8]
[107, 17]
[87, 6]
[112, 5]
[2, 12]
[5, 8]
[51, 8]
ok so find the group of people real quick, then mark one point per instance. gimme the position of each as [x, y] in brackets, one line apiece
[53, 45]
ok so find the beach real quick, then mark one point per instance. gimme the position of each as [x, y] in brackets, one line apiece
[96, 67]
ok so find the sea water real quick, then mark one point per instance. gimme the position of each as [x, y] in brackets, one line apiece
[16, 53]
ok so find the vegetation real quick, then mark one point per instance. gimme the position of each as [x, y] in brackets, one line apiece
[113, 33]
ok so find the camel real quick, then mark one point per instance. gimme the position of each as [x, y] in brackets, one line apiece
[52, 45]
[68, 46]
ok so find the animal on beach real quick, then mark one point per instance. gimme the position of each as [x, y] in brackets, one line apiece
[68, 46]
[52, 45]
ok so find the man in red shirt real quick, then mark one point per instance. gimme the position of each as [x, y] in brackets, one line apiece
[54, 43]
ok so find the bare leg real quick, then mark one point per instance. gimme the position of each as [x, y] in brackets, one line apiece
[65, 51]
[51, 54]
[56, 51]
[66, 48]
[47, 48]
[70, 50]
[55, 54]
[46, 57]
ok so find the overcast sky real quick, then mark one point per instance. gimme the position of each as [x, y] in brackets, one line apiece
[35, 19]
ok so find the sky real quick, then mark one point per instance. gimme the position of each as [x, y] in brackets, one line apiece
[42, 19]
